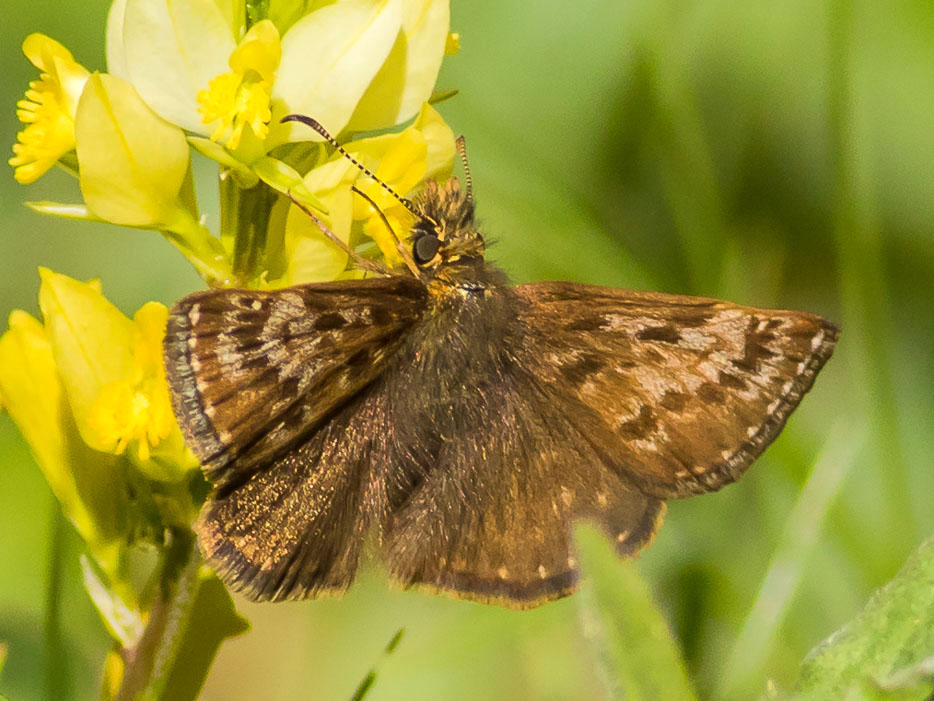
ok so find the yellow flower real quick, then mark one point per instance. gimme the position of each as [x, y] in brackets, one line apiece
[137, 407]
[133, 163]
[352, 65]
[111, 370]
[48, 109]
[89, 486]
[241, 98]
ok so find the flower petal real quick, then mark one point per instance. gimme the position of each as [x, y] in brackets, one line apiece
[116, 51]
[408, 75]
[92, 342]
[311, 256]
[86, 483]
[173, 49]
[440, 141]
[132, 162]
[48, 109]
[329, 58]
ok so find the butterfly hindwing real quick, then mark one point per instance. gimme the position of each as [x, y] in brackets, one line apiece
[506, 471]
[296, 528]
[680, 393]
[251, 372]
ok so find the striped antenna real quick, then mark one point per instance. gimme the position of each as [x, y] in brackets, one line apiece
[316, 125]
[462, 150]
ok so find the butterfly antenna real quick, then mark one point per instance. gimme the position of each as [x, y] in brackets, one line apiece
[403, 250]
[316, 125]
[371, 265]
[462, 150]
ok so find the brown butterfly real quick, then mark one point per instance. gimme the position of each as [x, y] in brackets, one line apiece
[463, 423]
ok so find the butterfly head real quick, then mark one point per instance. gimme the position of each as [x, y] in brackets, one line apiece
[444, 235]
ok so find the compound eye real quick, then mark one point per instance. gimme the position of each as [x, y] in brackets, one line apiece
[425, 248]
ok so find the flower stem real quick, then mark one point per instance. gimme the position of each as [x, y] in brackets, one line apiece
[252, 222]
[55, 658]
[149, 664]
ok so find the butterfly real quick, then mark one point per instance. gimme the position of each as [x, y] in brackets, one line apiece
[460, 424]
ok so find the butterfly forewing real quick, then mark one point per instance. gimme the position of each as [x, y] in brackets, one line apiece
[251, 372]
[680, 393]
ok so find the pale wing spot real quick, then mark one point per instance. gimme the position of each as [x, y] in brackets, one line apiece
[773, 406]
[225, 436]
[194, 314]
[752, 430]
[786, 388]
[682, 474]
[695, 339]
[209, 410]
[192, 342]
[817, 340]
[542, 572]
[257, 305]
[620, 537]
[195, 364]
[647, 445]
[802, 366]
[571, 562]
[726, 454]
[566, 496]
[602, 499]
[502, 572]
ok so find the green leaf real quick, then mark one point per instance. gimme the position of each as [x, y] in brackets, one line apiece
[894, 631]
[213, 619]
[639, 653]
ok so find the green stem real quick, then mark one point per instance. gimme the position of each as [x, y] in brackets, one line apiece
[55, 677]
[149, 663]
[252, 222]
[203, 250]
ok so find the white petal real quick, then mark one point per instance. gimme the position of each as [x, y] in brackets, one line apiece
[173, 49]
[328, 60]
[408, 76]
[116, 53]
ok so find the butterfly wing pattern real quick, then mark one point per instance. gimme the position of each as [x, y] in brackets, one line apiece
[459, 424]
[680, 393]
[467, 444]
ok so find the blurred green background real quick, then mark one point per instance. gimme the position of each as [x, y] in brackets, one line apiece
[774, 154]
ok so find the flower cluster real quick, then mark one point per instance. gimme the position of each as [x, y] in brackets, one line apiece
[86, 384]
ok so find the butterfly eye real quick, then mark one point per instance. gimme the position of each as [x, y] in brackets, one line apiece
[425, 248]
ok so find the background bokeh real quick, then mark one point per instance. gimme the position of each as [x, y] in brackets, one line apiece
[775, 154]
